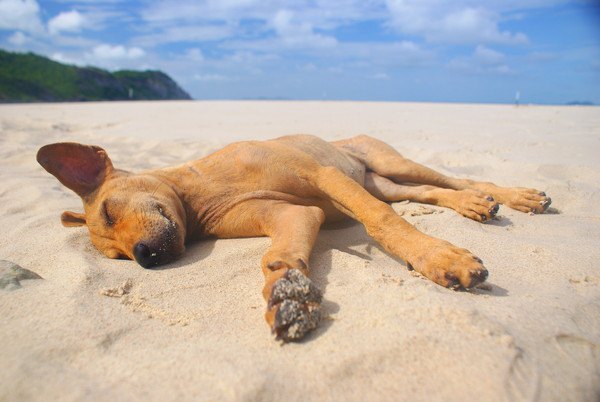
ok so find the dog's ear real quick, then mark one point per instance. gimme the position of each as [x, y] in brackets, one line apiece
[72, 219]
[82, 168]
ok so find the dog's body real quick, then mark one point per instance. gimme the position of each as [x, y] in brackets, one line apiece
[285, 189]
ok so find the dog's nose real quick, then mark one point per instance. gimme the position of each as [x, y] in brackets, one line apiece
[144, 255]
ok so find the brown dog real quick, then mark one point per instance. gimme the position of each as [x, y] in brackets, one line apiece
[285, 189]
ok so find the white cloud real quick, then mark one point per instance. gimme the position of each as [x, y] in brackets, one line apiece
[61, 58]
[300, 24]
[211, 77]
[194, 54]
[503, 70]
[403, 53]
[482, 60]
[246, 57]
[23, 15]
[305, 24]
[71, 41]
[321, 14]
[110, 57]
[487, 56]
[186, 33]
[543, 56]
[379, 76]
[309, 68]
[108, 52]
[367, 58]
[69, 21]
[18, 39]
[460, 21]
[296, 33]
[475, 24]
[163, 11]
[92, 1]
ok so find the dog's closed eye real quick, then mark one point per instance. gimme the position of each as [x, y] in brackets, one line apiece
[108, 219]
[162, 212]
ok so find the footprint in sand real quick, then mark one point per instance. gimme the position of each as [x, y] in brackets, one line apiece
[139, 304]
[587, 280]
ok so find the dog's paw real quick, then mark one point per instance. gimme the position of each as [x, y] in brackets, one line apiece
[450, 266]
[474, 204]
[526, 200]
[293, 306]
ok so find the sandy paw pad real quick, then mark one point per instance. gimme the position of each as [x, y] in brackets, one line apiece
[297, 301]
[293, 320]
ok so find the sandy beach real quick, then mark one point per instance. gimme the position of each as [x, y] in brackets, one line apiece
[108, 330]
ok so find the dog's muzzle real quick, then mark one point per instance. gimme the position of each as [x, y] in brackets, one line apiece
[157, 250]
[145, 256]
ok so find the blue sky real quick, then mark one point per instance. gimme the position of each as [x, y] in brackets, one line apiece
[387, 50]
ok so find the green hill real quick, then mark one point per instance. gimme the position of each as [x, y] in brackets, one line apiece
[32, 78]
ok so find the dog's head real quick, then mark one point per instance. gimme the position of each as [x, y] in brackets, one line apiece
[136, 216]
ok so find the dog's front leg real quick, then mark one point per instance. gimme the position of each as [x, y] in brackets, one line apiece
[293, 301]
[438, 260]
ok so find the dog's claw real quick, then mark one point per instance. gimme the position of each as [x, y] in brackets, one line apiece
[494, 210]
[546, 203]
[453, 282]
[478, 277]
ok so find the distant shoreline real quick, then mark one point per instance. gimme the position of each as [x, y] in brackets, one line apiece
[283, 100]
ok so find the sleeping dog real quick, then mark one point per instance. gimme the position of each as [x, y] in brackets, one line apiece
[286, 189]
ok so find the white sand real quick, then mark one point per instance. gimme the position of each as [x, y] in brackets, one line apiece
[100, 329]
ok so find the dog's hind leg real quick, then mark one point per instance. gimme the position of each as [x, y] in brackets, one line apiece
[384, 160]
[387, 162]
[468, 203]
[436, 259]
[293, 301]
